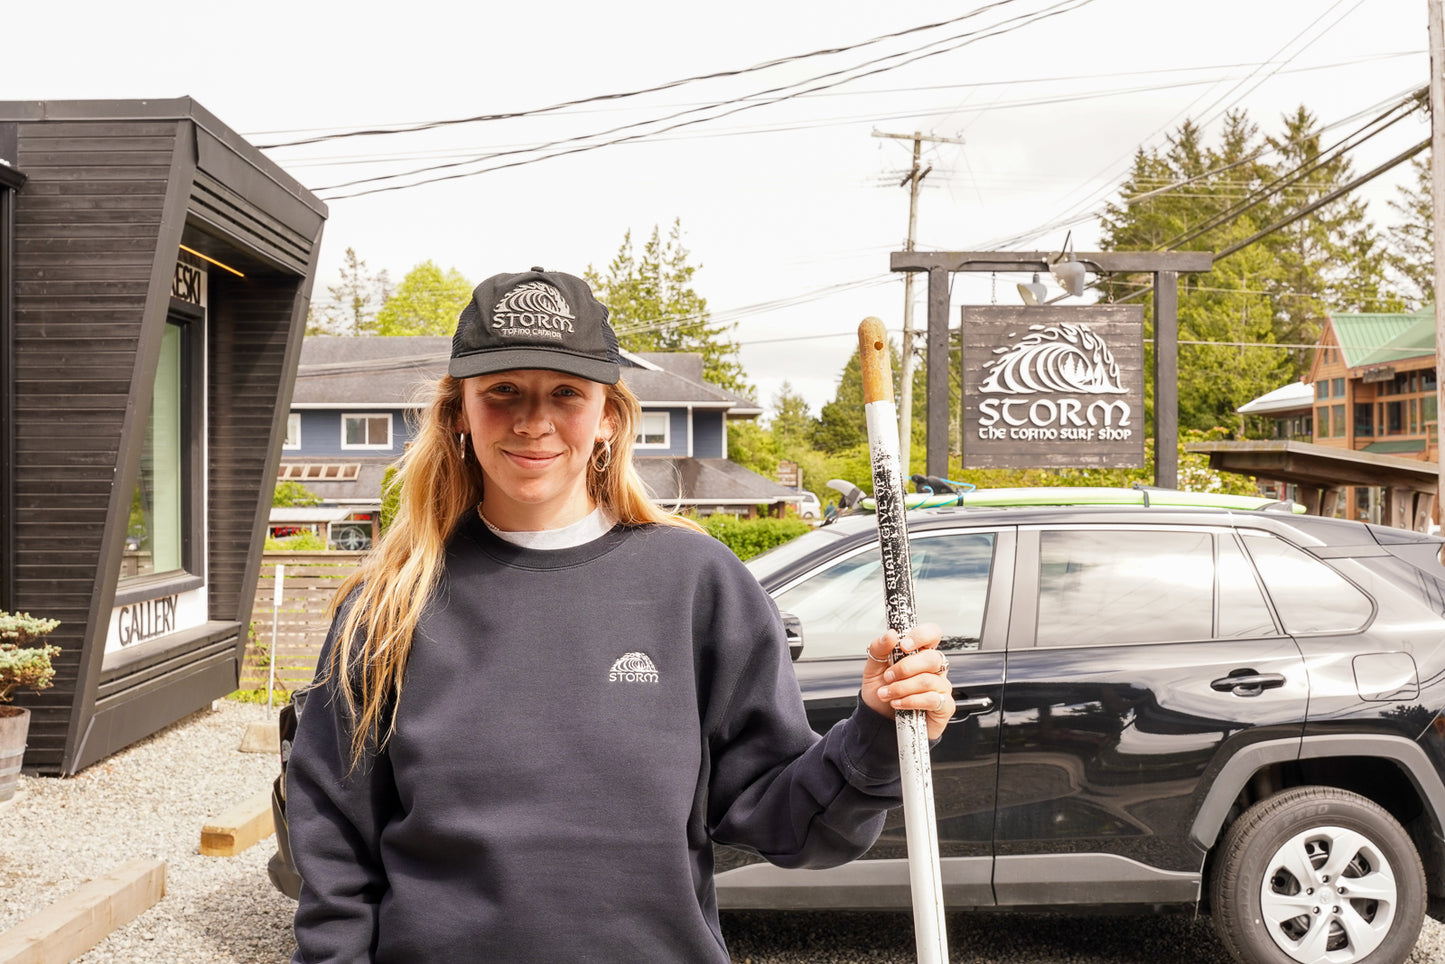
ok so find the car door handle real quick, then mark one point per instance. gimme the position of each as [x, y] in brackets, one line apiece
[965, 707]
[1248, 683]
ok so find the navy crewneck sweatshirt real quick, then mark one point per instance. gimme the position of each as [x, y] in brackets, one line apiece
[576, 727]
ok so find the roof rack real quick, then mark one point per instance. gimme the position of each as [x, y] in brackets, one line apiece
[1140, 495]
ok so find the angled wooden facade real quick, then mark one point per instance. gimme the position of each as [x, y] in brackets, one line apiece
[149, 244]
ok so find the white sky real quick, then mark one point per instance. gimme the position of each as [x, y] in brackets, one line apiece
[791, 208]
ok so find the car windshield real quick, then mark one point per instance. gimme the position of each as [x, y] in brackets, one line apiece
[778, 558]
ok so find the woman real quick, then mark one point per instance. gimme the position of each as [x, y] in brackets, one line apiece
[542, 698]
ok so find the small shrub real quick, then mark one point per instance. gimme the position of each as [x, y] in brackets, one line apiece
[300, 542]
[748, 537]
[21, 664]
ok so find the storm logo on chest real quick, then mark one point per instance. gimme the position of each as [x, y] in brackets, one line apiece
[633, 668]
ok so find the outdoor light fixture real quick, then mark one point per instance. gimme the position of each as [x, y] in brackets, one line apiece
[1070, 276]
[1068, 273]
[1032, 292]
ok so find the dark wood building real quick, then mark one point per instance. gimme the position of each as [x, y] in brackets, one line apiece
[155, 270]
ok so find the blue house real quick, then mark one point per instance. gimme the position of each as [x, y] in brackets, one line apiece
[354, 410]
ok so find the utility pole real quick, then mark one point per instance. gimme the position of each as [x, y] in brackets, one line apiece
[1437, 194]
[912, 180]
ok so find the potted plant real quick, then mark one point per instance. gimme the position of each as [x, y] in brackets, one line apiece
[21, 664]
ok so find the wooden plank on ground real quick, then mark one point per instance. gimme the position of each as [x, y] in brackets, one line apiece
[77, 922]
[238, 828]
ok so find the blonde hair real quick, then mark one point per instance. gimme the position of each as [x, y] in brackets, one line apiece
[441, 482]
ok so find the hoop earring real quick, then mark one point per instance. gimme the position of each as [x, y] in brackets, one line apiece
[606, 454]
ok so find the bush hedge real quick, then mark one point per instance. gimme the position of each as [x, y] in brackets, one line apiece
[748, 537]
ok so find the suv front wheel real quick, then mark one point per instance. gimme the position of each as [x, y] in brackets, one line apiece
[1318, 874]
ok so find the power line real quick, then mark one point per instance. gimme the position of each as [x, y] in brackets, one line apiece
[599, 98]
[748, 102]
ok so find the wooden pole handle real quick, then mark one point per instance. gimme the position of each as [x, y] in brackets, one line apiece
[874, 361]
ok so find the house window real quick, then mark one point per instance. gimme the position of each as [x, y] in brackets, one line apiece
[1364, 419]
[161, 536]
[1337, 387]
[652, 430]
[293, 431]
[366, 431]
[1394, 418]
[1322, 421]
[1337, 421]
[1322, 389]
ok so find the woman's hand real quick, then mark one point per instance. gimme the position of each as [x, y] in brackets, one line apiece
[918, 681]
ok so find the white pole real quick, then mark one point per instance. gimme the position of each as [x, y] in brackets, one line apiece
[275, 618]
[920, 827]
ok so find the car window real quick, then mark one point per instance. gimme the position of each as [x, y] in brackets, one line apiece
[1309, 596]
[1242, 612]
[1115, 586]
[841, 607]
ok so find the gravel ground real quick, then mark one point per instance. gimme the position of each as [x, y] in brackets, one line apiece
[152, 799]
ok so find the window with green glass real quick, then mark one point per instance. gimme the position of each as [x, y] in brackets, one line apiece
[155, 536]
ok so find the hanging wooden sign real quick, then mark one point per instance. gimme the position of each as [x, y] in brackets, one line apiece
[1053, 386]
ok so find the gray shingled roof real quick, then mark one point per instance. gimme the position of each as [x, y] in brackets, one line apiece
[374, 371]
[338, 370]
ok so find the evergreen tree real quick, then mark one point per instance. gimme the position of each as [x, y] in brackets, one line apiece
[653, 306]
[352, 303]
[427, 302]
[1238, 323]
[1413, 240]
[792, 422]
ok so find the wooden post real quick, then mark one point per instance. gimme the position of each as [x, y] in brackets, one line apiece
[1166, 379]
[1437, 193]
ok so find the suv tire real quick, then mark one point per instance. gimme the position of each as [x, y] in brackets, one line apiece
[1332, 839]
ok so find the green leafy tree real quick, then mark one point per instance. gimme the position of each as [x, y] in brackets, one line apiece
[352, 303]
[427, 302]
[291, 493]
[1412, 252]
[654, 307]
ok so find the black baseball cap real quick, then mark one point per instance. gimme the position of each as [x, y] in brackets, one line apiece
[535, 319]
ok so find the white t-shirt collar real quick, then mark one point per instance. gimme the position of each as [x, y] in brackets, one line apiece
[591, 526]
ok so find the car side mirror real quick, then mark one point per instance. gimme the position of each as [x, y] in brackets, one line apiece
[793, 629]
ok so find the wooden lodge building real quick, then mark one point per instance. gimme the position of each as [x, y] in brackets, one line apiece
[155, 270]
[1359, 438]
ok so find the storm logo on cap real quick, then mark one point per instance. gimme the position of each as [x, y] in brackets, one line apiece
[534, 308]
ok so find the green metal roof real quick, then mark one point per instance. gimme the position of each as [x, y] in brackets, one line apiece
[1378, 339]
[1396, 445]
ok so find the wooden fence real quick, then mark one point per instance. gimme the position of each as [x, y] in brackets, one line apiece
[309, 582]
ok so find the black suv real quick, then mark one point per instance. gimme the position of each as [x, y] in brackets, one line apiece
[1229, 709]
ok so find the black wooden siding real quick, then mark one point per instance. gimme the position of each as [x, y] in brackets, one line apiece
[110, 195]
[87, 226]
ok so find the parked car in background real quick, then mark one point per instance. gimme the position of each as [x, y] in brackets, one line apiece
[1222, 706]
[809, 507]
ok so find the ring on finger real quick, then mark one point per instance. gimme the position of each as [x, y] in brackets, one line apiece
[875, 658]
[944, 668]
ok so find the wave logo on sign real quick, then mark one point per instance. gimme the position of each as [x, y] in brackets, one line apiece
[1054, 358]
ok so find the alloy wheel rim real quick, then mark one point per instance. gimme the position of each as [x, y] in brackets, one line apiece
[1328, 895]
